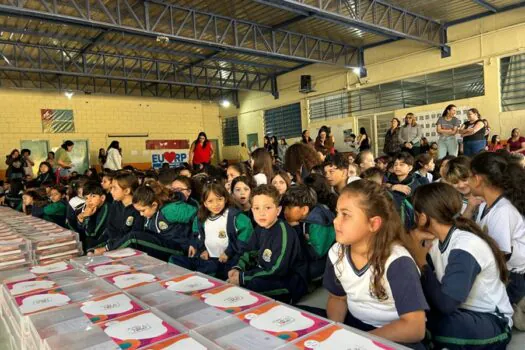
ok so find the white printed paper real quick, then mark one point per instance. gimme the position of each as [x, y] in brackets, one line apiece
[249, 338]
[144, 326]
[104, 270]
[190, 284]
[121, 253]
[186, 344]
[114, 305]
[282, 319]
[29, 286]
[231, 297]
[39, 302]
[55, 267]
[132, 279]
[343, 339]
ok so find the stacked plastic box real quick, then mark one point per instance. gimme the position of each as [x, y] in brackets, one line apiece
[26, 240]
[128, 300]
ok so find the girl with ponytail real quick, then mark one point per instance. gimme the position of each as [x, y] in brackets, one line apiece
[463, 274]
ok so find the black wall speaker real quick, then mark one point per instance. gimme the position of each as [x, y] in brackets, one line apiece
[306, 82]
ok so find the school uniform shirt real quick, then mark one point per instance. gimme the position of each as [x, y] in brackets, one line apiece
[468, 273]
[505, 224]
[122, 220]
[428, 176]
[272, 252]
[260, 179]
[94, 225]
[75, 206]
[216, 240]
[52, 212]
[316, 232]
[413, 181]
[400, 280]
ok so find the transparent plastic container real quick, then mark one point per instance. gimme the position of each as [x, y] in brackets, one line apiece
[111, 267]
[183, 341]
[192, 283]
[139, 329]
[122, 253]
[89, 289]
[144, 276]
[15, 260]
[283, 321]
[111, 306]
[154, 294]
[233, 334]
[93, 338]
[338, 336]
[53, 240]
[54, 280]
[191, 314]
[232, 299]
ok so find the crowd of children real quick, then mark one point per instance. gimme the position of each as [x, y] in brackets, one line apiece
[420, 252]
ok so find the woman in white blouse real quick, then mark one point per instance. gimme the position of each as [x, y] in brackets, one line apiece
[114, 158]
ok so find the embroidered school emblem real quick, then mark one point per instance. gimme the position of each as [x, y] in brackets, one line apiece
[129, 221]
[267, 255]
[162, 225]
[222, 234]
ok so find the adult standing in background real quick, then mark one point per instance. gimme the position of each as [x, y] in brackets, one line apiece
[324, 143]
[363, 141]
[516, 143]
[473, 132]
[274, 146]
[487, 129]
[410, 135]
[102, 157]
[15, 165]
[114, 158]
[28, 163]
[447, 127]
[63, 161]
[201, 152]
[283, 146]
[306, 139]
[51, 159]
[244, 154]
[392, 142]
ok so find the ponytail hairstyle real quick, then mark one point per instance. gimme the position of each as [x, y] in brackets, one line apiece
[422, 160]
[220, 191]
[241, 168]
[67, 144]
[447, 110]
[375, 201]
[441, 202]
[476, 112]
[151, 192]
[262, 163]
[501, 171]
[126, 179]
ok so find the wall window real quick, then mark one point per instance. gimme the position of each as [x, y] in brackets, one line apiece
[448, 85]
[283, 121]
[230, 131]
[512, 80]
[330, 107]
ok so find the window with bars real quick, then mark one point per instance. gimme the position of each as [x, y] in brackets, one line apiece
[230, 131]
[283, 121]
[447, 85]
[330, 107]
[512, 82]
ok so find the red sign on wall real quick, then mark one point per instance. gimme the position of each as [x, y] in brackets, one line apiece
[167, 144]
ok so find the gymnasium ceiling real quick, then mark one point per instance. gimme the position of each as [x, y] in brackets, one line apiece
[207, 49]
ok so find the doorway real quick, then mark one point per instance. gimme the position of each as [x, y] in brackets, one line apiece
[252, 139]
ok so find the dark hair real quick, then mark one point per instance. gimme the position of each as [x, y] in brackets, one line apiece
[475, 111]
[494, 139]
[447, 109]
[49, 167]
[113, 144]
[273, 138]
[59, 188]
[76, 185]
[511, 132]
[185, 180]
[414, 119]
[67, 144]
[303, 138]
[110, 174]
[284, 175]
[458, 169]
[13, 151]
[94, 188]
[423, 159]
[262, 162]
[338, 160]
[25, 150]
[266, 190]
[441, 202]
[405, 157]
[362, 131]
[283, 141]
[149, 193]
[167, 176]
[202, 133]
[39, 196]
[375, 201]
[398, 122]
[372, 172]
[126, 179]
[503, 173]
[299, 156]
[220, 191]
[241, 168]
[244, 179]
[320, 185]
[51, 152]
[299, 196]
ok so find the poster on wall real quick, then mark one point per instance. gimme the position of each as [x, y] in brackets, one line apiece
[428, 120]
[56, 121]
[173, 158]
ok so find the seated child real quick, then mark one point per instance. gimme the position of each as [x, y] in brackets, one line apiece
[241, 189]
[372, 280]
[167, 229]
[76, 202]
[457, 173]
[336, 172]
[463, 274]
[313, 223]
[365, 160]
[221, 232]
[182, 184]
[33, 197]
[425, 166]
[92, 221]
[282, 181]
[273, 263]
[45, 175]
[55, 211]
[402, 180]
[107, 178]
[13, 194]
